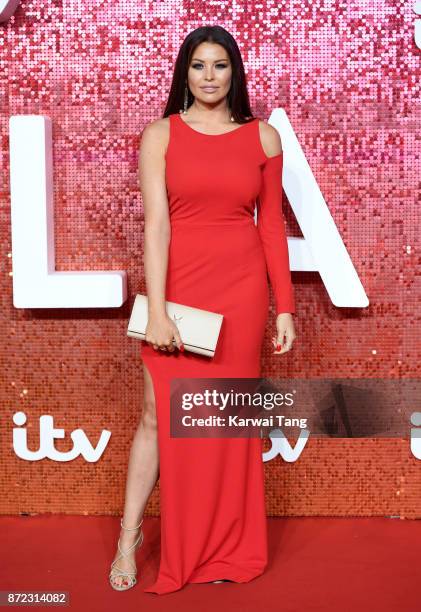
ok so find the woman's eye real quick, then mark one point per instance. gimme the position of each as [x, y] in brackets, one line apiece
[201, 66]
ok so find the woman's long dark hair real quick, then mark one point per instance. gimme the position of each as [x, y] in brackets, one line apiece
[238, 99]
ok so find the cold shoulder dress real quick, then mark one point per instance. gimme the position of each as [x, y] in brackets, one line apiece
[213, 519]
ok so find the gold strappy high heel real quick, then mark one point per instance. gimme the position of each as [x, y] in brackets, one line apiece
[116, 571]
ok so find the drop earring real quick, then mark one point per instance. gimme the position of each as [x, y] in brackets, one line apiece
[186, 100]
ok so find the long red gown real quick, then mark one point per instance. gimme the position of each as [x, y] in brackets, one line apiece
[213, 519]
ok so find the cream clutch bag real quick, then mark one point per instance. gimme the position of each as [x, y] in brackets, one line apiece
[199, 329]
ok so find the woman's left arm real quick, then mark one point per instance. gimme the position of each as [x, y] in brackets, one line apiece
[271, 227]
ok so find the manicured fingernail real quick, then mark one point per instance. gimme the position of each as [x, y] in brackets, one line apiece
[278, 347]
[181, 347]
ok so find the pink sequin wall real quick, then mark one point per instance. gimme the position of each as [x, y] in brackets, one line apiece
[348, 76]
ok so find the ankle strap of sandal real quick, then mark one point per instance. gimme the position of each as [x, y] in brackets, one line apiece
[130, 528]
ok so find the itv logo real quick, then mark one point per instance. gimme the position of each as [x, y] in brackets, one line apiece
[82, 446]
[47, 434]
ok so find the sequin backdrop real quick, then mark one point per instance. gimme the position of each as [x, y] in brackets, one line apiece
[348, 75]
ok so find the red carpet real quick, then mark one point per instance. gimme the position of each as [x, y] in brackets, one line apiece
[323, 564]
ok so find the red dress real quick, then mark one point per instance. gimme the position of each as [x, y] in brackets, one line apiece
[213, 519]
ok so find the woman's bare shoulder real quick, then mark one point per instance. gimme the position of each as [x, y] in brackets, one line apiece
[157, 130]
[156, 133]
[270, 139]
[157, 126]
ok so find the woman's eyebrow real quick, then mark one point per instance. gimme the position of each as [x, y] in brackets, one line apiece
[196, 59]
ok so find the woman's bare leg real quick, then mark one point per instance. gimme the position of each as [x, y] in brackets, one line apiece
[142, 474]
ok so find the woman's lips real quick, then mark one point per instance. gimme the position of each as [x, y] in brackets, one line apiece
[209, 89]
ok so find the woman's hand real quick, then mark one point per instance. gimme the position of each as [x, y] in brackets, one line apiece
[285, 328]
[160, 332]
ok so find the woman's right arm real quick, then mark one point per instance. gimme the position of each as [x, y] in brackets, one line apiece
[160, 329]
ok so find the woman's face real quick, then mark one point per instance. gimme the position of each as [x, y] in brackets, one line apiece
[209, 73]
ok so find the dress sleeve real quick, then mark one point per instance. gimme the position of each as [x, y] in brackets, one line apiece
[271, 228]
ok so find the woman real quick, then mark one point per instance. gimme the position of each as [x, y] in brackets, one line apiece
[201, 174]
